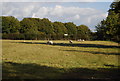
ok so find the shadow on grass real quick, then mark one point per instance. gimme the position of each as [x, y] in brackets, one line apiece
[75, 45]
[33, 71]
[31, 42]
[93, 52]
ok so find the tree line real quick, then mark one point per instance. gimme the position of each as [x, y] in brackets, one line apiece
[36, 28]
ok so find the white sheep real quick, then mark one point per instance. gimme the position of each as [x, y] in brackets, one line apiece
[50, 42]
[71, 41]
[83, 40]
[79, 39]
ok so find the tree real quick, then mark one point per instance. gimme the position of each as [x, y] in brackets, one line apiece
[112, 25]
[72, 30]
[29, 28]
[59, 29]
[115, 6]
[10, 24]
[101, 30]
[47, 27]
[113, 21]
[109, 28]
[83, 32]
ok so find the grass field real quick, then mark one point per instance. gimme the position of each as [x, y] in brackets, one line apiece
[33, 59]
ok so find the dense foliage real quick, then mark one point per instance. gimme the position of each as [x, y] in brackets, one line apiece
[10, 25]
[109, 28]
[36, 28]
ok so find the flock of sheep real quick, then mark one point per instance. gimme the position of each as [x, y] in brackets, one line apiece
[70, 41]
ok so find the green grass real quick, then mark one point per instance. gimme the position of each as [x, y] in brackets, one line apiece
[36, 59]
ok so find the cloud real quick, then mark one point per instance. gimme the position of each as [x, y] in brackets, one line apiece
[58, 10]
[95, 17]
[76, 17]
[76, 14]
[18, 10]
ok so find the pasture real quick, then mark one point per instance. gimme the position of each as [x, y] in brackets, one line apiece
[34, 59]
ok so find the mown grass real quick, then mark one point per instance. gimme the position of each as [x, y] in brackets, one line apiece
[37, 60]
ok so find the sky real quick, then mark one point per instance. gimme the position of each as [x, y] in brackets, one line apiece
[87, 12]
[56, 0]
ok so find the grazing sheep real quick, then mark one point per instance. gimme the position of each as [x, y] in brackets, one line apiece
[50, 42]
[81, 40]
[71, 41]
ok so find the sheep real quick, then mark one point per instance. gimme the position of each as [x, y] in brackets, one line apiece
[81, 40]
[50, 42]
[71, 41]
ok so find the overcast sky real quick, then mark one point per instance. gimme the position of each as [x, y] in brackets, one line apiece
[88, 12]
